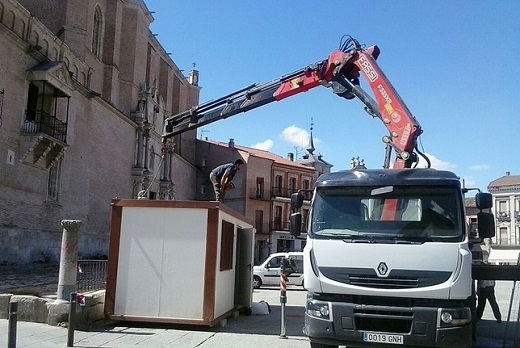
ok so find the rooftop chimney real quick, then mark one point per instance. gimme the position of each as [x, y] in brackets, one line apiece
[231, 143]
[508, 173]
[193, 77]
[290, 156]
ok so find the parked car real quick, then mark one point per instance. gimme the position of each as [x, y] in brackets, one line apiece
[268, 273]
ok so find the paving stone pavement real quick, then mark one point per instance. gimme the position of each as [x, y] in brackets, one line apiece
[259, 331]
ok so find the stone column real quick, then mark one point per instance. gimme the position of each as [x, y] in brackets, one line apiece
[146, 130]
[139, 160]
[68, 259]
[169, 163]
[165, 160]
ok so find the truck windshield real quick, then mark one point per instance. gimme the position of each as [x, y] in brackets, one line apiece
[390, 213]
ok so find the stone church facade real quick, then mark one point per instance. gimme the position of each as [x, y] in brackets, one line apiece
[84, 90]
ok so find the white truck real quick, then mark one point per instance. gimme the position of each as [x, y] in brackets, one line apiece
[387, 260]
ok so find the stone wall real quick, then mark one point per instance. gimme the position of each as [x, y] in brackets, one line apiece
[99, 158]
[49, 311]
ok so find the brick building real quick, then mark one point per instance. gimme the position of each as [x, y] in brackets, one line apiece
[84, 89]
[262, 190]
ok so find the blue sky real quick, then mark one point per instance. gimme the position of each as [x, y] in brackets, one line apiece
[456, 65]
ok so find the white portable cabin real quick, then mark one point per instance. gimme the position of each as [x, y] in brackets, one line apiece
[184, 262]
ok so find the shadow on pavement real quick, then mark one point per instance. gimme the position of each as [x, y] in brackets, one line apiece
[269, 324]
[490, 334]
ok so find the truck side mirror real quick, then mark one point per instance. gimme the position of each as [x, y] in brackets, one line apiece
[485, 225]
[295, 226]
[483, 200]
[296, 200]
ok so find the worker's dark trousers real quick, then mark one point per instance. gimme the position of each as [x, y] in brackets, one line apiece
[488, 293]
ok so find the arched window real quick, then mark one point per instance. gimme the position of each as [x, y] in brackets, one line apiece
[97, 32]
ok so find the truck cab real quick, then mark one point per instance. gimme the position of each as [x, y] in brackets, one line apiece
[268, 273]
[387, 260]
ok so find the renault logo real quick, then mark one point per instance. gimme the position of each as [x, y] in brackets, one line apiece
[382, 269]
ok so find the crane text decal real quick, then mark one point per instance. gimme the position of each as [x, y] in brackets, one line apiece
[406, 134]
[367, 68]
[384, 93]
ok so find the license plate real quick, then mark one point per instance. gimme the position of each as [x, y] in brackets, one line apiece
[382, 338]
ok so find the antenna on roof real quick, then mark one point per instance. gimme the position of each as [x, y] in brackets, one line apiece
[311, 147]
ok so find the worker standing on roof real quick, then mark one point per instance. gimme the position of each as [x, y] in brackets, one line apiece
[221, 178]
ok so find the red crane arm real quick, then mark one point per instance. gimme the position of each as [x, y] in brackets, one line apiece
[401, 124]
[341, 71]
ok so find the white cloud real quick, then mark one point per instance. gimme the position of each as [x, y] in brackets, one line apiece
[295, 136]
[436, 163]
[479, 167]
[264, 145]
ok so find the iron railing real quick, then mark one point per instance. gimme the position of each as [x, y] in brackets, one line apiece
[279, 225]
[288, 191]
[92, 275]
[45, 123]
[502, 215]
[262, 194]
[283, 191]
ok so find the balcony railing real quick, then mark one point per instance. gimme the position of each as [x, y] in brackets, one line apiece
[280, 225]
[45, 123]
[502, 215]
[259, 194]
[287, 192]
[283, 191]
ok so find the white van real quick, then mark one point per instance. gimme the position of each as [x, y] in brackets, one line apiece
[268, 273]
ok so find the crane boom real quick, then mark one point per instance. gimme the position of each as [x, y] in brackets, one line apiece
[340, 71]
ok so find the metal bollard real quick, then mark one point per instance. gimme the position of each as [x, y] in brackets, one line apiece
[509, 314]
[13, 317]
[283, 301]
[72, 314]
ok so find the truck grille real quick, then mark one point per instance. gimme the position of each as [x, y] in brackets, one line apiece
[384, 320]
[396, 279]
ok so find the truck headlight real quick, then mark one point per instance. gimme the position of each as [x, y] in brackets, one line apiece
[454, 316]
[319, 309]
